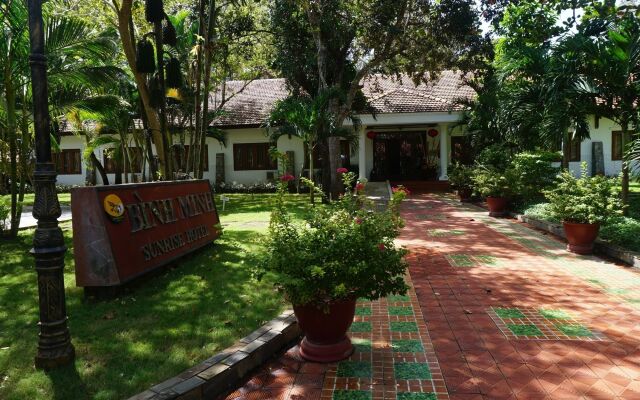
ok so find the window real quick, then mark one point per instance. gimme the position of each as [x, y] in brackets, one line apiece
[68, 162]
[616, 145]
[180, 157]
[252, 156]
[574, 150]
[345, 155]
[135, 163]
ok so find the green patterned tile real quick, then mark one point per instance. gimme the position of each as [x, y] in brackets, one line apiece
[361, 327]
[351, 395]
[354, 369]
[554, 314]
[407, 346]
[460, 260]
[487, 260]
[396, 298]
[411, 370]
[524, 330]
[574, 330]
[403, 327]
[416, 396]
[361, 345]
[444, 232]
[363, 311]
[403, 311]
[508, 313]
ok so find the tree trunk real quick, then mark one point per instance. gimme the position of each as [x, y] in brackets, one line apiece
[10, 98]
[312, 193]
[152, 117]
[566, 149]
[167, 138]
[98, 167]
[625, 168]
[208, 55]
[195, 149]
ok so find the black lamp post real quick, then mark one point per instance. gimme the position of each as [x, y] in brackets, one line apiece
[54, 341]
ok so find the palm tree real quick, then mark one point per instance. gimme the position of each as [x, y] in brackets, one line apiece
[310, 120]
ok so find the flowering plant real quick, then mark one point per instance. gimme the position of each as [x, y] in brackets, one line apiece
[343, 250]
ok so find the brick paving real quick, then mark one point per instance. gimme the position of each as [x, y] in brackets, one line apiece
[496, 311]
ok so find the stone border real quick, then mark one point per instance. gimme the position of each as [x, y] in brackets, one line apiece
[601, 247]
[221, 373]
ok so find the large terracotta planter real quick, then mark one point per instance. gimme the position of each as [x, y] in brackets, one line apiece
[497, 206]
[580, 237]
[465, 194]
[326, 337]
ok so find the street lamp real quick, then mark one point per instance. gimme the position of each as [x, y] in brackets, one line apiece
[54, 341]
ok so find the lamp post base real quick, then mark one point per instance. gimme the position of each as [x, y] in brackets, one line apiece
[47, 359]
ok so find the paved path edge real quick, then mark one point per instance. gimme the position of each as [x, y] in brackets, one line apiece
[218, 375]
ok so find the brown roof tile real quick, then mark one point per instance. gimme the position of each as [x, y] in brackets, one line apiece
[251, 106]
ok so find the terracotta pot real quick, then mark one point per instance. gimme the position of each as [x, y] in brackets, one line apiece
[465, 194]
[497, 206]
[580, 237]
[326, 337]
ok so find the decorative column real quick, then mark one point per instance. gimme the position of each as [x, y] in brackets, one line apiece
[362, 154]
[444, 154]
[54, 341]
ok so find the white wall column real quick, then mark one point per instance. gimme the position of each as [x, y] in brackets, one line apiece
[362, 154]
[444, 153]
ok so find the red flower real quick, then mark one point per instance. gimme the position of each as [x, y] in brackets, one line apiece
[359, 187]
[381, 247]
[287, 178]
[342, 170]
[358, 221]
[401, 189]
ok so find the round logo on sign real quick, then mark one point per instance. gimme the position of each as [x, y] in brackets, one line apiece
[114, 207]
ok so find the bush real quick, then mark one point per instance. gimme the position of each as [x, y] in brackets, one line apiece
[490, 182]
[541, 211]
[5, 210]
[592, 200]
[346, 250]
[461, 176]
[235, 187]
[622, 231]
[533, 174]
[496, 157]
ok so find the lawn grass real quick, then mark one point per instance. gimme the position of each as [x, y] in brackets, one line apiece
[64, 198]
[165, 325]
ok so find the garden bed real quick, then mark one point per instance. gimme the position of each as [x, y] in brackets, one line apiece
[178, 319]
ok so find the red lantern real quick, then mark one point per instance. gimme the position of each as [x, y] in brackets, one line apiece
[371, 135]
[433, 133]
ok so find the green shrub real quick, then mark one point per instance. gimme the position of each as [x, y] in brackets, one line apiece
[622, 231]
[489, 182]
[460, 176]
[496, 157]
[344, 251]
[592, 200]
[540, 211]
[533, 174]
[5, 210]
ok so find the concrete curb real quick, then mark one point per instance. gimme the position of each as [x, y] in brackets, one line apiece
[221, 373]
[601, 247]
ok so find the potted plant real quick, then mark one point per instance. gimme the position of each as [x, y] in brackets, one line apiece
[583, 204]
[495, 187]
[344, 251]
[461, 179]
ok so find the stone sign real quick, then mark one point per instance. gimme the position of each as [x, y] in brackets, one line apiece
[122, 231]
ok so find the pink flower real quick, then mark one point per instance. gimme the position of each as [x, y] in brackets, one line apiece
[358, 221]
[342, 170]
[401, 189]
[359, 187]
[287, 178]
[381, 247]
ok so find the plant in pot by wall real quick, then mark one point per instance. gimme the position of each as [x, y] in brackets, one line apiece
[495, 186]
[461, 179]
[583, 204]
[343, 251]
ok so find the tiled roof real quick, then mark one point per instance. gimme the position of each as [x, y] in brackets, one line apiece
[251, 106]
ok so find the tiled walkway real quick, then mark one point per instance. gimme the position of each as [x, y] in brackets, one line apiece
[497, 311]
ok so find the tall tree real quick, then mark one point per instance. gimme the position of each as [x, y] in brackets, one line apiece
[334, 44]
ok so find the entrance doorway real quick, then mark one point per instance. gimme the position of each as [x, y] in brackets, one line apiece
[405, 156]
